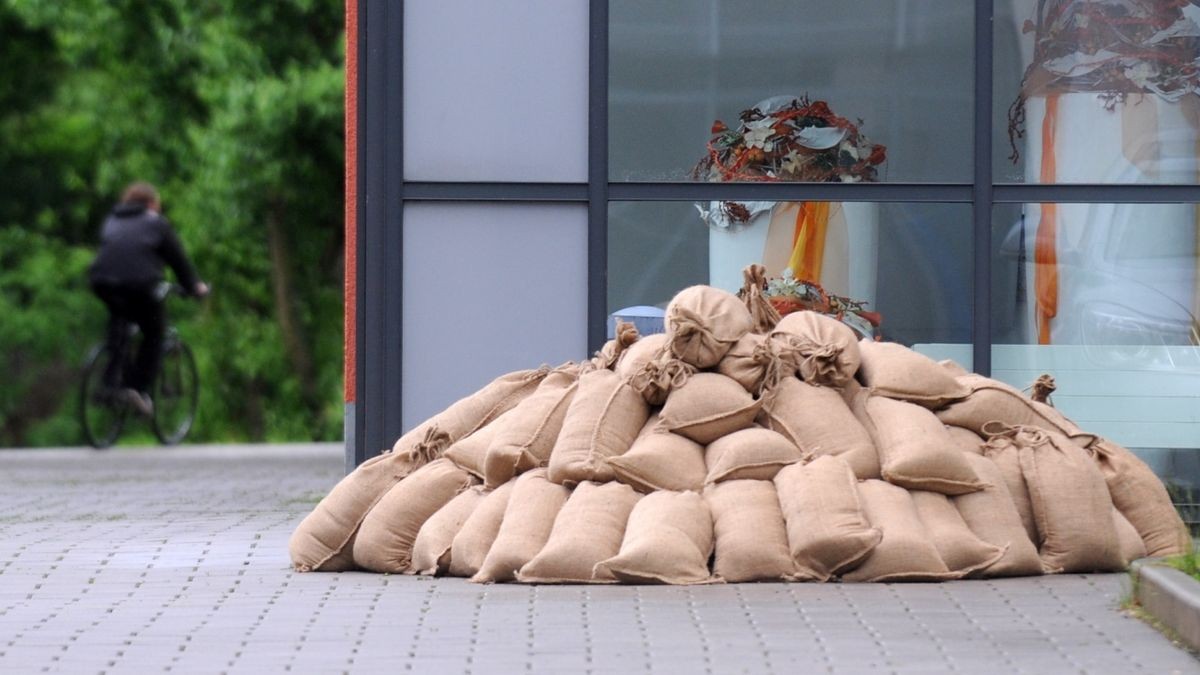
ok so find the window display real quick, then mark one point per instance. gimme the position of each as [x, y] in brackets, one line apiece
[677, 65]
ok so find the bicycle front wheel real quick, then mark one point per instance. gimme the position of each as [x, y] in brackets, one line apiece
[176, 394]
[102, 412]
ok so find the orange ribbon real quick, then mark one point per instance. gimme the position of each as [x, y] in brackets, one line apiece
[1045, 253]
[808, 242]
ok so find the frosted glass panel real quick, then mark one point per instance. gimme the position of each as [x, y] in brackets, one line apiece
[495, 91]
[488, 289]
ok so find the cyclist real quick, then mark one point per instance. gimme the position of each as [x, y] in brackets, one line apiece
[136, 242]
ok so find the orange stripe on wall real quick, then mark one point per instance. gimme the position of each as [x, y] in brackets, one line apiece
[350, 311]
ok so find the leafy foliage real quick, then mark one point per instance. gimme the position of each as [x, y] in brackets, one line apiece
[234, 110]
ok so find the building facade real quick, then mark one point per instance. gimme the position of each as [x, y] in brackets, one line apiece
[1007, 183]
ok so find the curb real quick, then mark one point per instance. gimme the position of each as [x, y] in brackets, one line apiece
[1172, 597]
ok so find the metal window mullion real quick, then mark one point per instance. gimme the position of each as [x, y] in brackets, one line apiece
[380, 237]
[981, 206]
[393, 424]
[1095, 193]
[846, 192]
[495, 192]
[598, 185]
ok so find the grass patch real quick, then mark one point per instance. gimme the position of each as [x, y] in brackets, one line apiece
[1188, 563]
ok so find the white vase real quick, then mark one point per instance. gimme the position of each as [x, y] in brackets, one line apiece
[1126, 272]
[849, 263]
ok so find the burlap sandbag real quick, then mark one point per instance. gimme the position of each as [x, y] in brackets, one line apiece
[750, 361]
[953, 367]
[992, 516]
[1140, 496]
[707, 407]
[475, 538]
[322, 540]
[754, 454]
[827, 531]
[863, 461]
[669, 539]
[824, 350]
[916, 452]
[612, 351]
[637, 355]
[990, 400]
[431, 549]
[1132, 546]
[966, 440]
[326, 532]
[470, 453]
[906, 551]
[1071, 507]
[763, 315]
[661, 460]
[751, 538]
[818, 421]
[656, 379]
[385, 538]
[525, 436]
[588, 529]
[703, 322]
[896, 371]
[1003, 454]
[473, 412]
[604, 417]
[528, 520]
[960, 549]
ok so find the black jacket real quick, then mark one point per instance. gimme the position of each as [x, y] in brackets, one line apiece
[135, 244]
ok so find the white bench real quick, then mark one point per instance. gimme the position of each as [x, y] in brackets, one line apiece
[1139, 396]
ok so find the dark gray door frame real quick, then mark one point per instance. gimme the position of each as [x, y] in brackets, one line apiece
[374, 420]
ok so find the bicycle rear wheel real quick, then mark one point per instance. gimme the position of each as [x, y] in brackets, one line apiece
[176, 394]
[102, 412]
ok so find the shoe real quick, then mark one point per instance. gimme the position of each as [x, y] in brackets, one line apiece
[140, 401]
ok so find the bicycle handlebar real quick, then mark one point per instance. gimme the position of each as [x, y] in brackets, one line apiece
[168, 288]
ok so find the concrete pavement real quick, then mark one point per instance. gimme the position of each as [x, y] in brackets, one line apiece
[175, 560]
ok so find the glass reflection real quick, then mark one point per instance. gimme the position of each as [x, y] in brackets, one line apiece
[910, 263]
[899, 71]
[1107, 90]
[1105, 298]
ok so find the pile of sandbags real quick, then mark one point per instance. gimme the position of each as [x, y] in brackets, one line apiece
[733, 448]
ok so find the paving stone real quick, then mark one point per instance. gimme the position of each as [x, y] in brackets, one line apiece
[174, 560]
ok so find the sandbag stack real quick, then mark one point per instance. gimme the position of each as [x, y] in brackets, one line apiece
[737, 446]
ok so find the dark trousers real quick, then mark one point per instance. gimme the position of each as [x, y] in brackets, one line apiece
[136, 305]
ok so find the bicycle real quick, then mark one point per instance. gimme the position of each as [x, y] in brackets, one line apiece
[175, 391]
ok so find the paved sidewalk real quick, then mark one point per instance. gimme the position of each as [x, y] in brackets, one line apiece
[175, 560]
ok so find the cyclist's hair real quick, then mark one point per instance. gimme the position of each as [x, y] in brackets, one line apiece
[140, 192]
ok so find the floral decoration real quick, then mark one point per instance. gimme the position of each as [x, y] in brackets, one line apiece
[788, 294]
[802, 140]
[1111, 47]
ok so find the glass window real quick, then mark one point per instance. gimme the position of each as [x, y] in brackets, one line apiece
[1096, 91]
[488, 289]
[1104, 297]
[910, 263]
[898, 74]
[495, 91]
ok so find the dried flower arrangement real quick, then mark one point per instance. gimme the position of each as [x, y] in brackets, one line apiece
[1113, 48]
[788, 294]
[801, 140]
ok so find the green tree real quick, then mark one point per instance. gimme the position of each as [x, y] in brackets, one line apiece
[234, 109]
